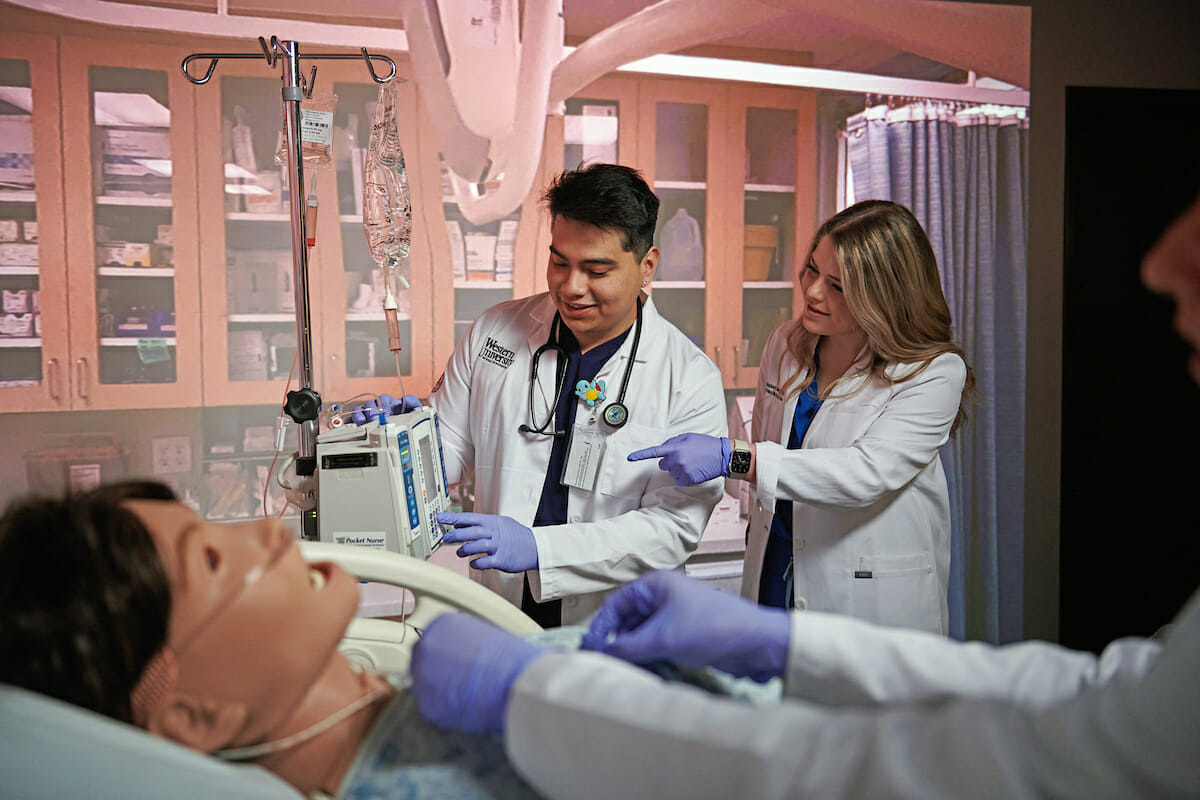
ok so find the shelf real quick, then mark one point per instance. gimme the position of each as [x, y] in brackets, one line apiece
[767, 285]
[776, 188]
[18, 196]
[696, 185]
[264, 317]
[213, 458]
[142, 202]
[135, 272]
[677, 284]
[250, 216]
[373, 316]
[132, 341]
[459, 283]
[20, 342]
[348, 219]
[18, 271]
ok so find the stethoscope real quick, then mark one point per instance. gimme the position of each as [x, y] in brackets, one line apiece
[616, 414]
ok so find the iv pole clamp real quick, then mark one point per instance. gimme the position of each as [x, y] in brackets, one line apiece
[302, 405]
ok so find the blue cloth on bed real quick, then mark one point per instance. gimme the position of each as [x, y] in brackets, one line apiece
[405, 757]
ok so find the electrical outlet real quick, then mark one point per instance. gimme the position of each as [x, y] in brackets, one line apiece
[171, 454]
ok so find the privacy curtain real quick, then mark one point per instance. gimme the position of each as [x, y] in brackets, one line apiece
[963, 173]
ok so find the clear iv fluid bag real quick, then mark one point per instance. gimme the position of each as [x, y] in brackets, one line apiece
[387, 208]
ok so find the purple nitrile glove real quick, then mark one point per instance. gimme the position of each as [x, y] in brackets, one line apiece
[507, 544]
[666, 616]
[386, 403]
[691, 458]
[463, 670]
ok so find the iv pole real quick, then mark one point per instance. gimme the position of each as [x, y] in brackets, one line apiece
[302, 404]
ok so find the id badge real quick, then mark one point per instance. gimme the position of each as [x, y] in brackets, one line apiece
[585, 451]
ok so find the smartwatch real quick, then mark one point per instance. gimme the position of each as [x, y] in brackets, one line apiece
[739, 459]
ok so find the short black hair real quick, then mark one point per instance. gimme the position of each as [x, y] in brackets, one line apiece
[611, 197]
[85, 599]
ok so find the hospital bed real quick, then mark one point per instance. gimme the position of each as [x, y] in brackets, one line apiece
[53, 750]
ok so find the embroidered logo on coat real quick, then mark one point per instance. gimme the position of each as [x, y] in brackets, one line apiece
[496, 353]
[774, 391]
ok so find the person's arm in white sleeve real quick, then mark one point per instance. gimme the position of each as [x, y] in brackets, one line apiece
[899, 443]
[838, 660]
[582, 726]
[597, 555]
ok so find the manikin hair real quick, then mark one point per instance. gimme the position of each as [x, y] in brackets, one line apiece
[86, 597]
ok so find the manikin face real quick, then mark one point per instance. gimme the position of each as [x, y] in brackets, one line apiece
[825, 311]
[593, 281]
[261, 643]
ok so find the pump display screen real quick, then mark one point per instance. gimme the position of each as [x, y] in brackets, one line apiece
[427, 467]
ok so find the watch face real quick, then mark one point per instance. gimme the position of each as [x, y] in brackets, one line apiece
[739, 462]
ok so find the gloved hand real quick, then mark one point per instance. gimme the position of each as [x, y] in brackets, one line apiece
[385, 402]
[691, 458]
[463, 670]
[666, 616]
[509, 545]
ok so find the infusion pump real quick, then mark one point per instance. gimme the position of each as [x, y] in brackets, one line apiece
[382, 485]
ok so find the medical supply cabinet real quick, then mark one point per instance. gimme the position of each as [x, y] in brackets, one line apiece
[160, 269]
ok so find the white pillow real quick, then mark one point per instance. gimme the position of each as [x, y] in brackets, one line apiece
[51, 749]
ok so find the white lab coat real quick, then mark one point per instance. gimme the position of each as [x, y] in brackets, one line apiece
[868, 490]
[874, 712]
[636, 519]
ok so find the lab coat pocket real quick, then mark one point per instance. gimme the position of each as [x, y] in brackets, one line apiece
[620, 476]
[896, 590]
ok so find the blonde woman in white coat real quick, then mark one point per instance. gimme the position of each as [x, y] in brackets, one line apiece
[855, 399]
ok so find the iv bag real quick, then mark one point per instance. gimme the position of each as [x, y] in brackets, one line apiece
[387, 208]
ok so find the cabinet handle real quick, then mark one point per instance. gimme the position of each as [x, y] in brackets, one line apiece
[717, 355]
[81, 377]
[52, 379]
[737, 358]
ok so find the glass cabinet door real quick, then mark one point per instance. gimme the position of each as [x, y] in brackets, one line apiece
[250, 325]
[482, 257]
[682, 125]
[777, 181]
[33, 319]
[133, 269]
[357, 354]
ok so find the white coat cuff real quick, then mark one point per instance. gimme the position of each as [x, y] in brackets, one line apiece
[768, 458]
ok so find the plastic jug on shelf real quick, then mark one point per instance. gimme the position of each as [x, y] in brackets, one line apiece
[682, 250]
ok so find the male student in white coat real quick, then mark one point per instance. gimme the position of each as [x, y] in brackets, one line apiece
[869, 711]
[561, 517]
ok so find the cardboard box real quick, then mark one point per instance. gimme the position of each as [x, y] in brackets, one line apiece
[123, 254]
[14, 254]
[16, 301]
[16, 151]
[29, 230]
[19, 325]
[131, 143]
[254, 282]
[10, 230]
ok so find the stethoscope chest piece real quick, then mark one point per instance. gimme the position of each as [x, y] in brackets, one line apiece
[616, 414]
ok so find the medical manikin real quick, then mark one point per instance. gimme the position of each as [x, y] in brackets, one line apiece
[246, 666]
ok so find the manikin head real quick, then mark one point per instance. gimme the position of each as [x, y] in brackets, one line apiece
[102, 585]
[602, 253]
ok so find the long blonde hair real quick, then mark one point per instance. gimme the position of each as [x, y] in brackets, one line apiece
[893, 291]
